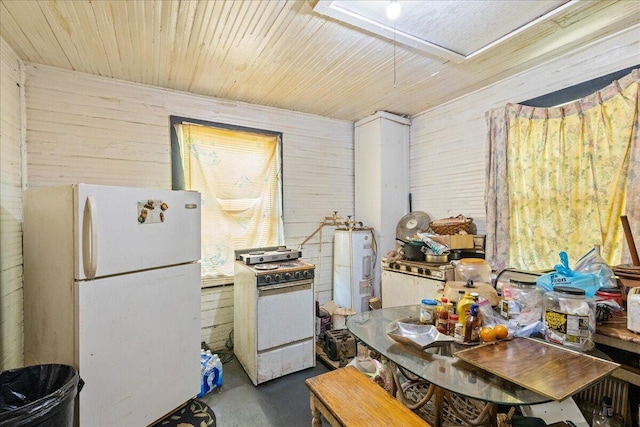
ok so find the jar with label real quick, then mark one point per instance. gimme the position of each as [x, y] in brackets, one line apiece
[472, 326]
[453, 319]
[569, 318]
[458, 334]
[521, 302]
[428, 312]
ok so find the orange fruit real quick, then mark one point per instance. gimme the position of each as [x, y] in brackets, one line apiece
[501, 332]
[487, 334]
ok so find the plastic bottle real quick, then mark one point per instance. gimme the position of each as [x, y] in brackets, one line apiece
[443, 320]
[472, 325]
[453, 319]
[605, 417]
[463, 306]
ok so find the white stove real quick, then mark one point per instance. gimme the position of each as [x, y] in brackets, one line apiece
[267, 254]
[436, 271]
[405, 282]
[275, 265]
[274, 312]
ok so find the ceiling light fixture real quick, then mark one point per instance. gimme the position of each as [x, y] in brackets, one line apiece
[393, 10]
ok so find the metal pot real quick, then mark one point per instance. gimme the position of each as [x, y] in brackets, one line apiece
[413, 251]
[443, 258]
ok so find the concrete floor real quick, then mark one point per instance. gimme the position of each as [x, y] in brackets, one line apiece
[282, 402]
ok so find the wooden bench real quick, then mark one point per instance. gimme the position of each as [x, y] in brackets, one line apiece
[346, 397]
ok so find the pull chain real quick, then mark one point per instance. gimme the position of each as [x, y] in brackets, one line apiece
[394, 56]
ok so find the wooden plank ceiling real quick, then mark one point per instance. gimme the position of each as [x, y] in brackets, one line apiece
[282, 53]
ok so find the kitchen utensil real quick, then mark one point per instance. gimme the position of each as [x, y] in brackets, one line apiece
[413, 251]
[436, 259]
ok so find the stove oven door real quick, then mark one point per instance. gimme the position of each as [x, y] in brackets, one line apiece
[285, 314]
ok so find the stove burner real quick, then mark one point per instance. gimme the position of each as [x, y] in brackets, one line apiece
[289, 264]
[266, 266]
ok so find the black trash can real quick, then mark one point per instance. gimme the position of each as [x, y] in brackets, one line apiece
[38, 395]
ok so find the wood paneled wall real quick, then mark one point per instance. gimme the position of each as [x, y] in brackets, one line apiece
[447, 143]
[82, 128]
[10, 209]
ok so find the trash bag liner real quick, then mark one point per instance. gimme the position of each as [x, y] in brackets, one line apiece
[38, 395]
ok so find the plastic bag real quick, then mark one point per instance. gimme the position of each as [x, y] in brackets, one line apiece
[39, 395]
[434, 247]
[211, 372]
[592, 262]
[565, 276]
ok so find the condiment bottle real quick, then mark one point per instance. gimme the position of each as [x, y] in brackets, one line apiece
[463, 306]
[472, 325]
[453, 319]
[443, 320]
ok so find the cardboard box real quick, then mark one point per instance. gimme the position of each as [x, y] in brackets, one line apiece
[455, 241]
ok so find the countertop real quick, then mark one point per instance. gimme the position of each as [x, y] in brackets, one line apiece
[614, 333]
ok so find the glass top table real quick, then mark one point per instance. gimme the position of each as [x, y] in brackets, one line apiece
[445, 373]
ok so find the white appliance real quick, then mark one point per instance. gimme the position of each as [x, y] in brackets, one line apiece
[407, 282]
[274, 313]
[112, 287]
[353, 260]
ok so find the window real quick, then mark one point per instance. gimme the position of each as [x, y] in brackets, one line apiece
[238, 171]
[560, 178]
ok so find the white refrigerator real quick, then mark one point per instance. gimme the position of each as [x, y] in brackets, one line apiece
[112, 287]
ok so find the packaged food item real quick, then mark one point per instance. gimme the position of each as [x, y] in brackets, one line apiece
[428, 312]
[453, 319]
[521, 302]
[458, 334]
[633, 309]
[569, 318]
[443, 319]
[472, 326]
[463, 306]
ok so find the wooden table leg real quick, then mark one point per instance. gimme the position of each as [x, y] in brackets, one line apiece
[438, 404]
[316, 417]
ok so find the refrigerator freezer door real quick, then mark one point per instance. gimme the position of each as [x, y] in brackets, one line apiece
[139, 345]
[120, 230]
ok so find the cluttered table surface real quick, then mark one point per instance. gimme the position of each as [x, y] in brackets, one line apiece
[505, 373]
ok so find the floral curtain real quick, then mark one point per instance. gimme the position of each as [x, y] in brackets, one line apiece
[560, 178]
[238, 175]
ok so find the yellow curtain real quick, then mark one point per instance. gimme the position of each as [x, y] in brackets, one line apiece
[237, 174]
[567, 174]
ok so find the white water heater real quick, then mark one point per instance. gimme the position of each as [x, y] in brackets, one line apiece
[353, 259]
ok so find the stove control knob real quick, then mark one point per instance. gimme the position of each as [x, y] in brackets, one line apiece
[396, 266]
[420, 270]
[296, 274]
[267, 279]
[287, 276]
[305, 273]
[261, 259]
[276, 277]
[427, 271]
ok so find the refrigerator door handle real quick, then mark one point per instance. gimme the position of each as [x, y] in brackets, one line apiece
[89, 238]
